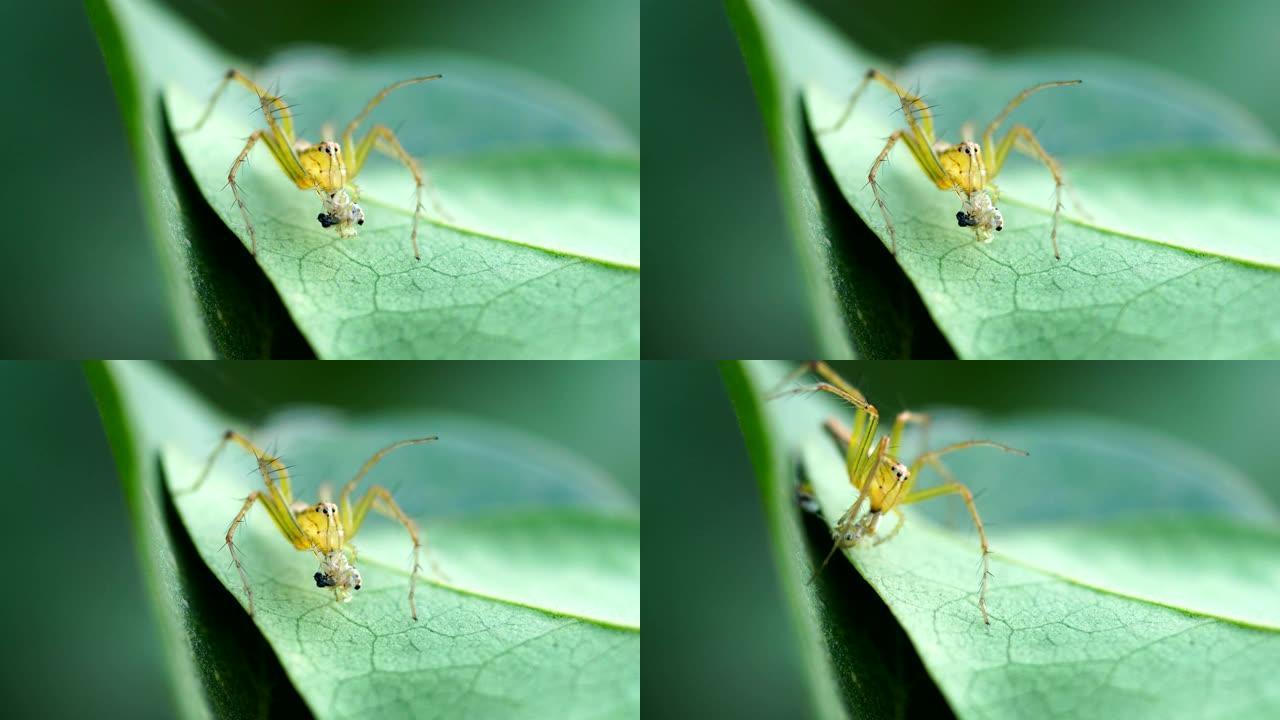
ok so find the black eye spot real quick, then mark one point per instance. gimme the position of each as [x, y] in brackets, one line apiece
[360, 221]
[357, 586]
[963, 220]
[326, 220]
[999, 228]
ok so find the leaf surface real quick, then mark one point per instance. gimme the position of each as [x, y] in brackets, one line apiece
[1132, 575]
[539, 257]
[1177, 258]
[537, 611]
[1177, 261]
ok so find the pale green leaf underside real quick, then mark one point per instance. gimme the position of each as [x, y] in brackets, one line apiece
[1110, 598]
[1236, 567]
[1178, 260]
[495, 639]
[540, 259]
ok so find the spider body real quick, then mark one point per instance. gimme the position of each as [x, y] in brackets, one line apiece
[328, 167]
[884, 482]
[966, 168]
[325, 528]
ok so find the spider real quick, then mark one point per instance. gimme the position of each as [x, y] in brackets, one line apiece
[324, 528]
[966, 168]
[883, 481]
[327, 167]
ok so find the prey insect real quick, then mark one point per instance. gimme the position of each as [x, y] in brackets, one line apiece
[884, 482]
[967, 168]
[328, 167]
[324, 528]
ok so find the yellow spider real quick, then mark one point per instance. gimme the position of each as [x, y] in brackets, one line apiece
[324, 528]
[883, 481]
[966, 168]
[327, 167]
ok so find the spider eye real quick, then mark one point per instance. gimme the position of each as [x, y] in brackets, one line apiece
[326, 220]
[963, 219]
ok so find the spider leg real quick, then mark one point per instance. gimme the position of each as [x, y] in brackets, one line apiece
[280, 514]
[379, 494]
[278, 107]
[955, 488]
[381, 137]
[902, 519]
[235, 556]
[843, 530]
[350, 130]
[988, 135]
[235, 189]
[900, 423]
[344, 496]
[284, 157]
[917, 104]
[1035, 149]
[866, 417]
[875, 187]
[272, 469]
[952, 487]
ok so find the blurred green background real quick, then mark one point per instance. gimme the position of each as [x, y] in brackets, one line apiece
[86, 283]
[719, 257]
[718, 624]
[75, 617]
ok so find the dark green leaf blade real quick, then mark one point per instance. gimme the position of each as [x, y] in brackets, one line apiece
[780, 44]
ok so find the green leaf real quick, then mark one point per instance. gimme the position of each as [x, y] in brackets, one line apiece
[539, 614]
[1177, 261]
[539, 259]
[1131, 573]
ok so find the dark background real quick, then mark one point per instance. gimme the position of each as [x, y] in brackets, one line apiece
[720, 640]
[723, 281]
[78, 628]
[83, 280]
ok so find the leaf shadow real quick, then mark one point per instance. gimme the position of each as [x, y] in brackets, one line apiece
[891, 320]
[879, 673]
[241, 675]
[242, 311]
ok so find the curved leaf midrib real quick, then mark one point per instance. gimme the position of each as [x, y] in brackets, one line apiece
[366, 559]
[370, 200]
[1197, 252]
[1065, 577]
[618, 158]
